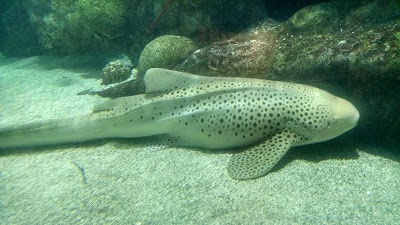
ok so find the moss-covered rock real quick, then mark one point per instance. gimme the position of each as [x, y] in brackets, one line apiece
[103, 16]
[115, 72]
[165, 52]
[397, 36]
[63, 27]
[187, 16]
[249, 54]
[372, 12]
[63, 32]
[318, 18]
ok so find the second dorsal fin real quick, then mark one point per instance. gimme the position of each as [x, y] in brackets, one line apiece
[160, 80]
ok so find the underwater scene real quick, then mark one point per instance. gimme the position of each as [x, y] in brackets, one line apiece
[199, 112]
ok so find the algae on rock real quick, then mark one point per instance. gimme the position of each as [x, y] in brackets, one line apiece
[115, 72]
[318, 18]
[103, 17]
[165, 52]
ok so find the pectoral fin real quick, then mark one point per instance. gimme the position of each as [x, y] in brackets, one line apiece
[258, 160]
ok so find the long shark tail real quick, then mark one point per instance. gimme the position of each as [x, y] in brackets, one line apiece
[52, 132]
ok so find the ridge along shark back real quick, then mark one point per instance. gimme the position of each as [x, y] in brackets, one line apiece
[265, 118]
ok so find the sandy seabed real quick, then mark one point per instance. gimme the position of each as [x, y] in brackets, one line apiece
[122, 182]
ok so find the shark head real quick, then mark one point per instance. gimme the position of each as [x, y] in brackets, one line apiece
[343, 116]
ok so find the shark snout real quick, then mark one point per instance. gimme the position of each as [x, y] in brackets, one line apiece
[346, 114]
[345, 117]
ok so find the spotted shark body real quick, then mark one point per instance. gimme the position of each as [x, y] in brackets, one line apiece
[265, 118]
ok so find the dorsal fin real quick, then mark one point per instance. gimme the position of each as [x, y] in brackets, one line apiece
[187, 84]
[160, 80]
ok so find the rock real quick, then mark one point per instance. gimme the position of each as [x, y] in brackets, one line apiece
[165, 52]
[63, 33]
[372, 12]
[249, 54]
[106, 18]
[60, 27]
[318, 18]
[397, 35]
[115, 72]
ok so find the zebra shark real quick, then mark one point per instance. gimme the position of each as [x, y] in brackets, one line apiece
[265, 118]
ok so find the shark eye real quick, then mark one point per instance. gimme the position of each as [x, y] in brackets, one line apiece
[329, 124]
